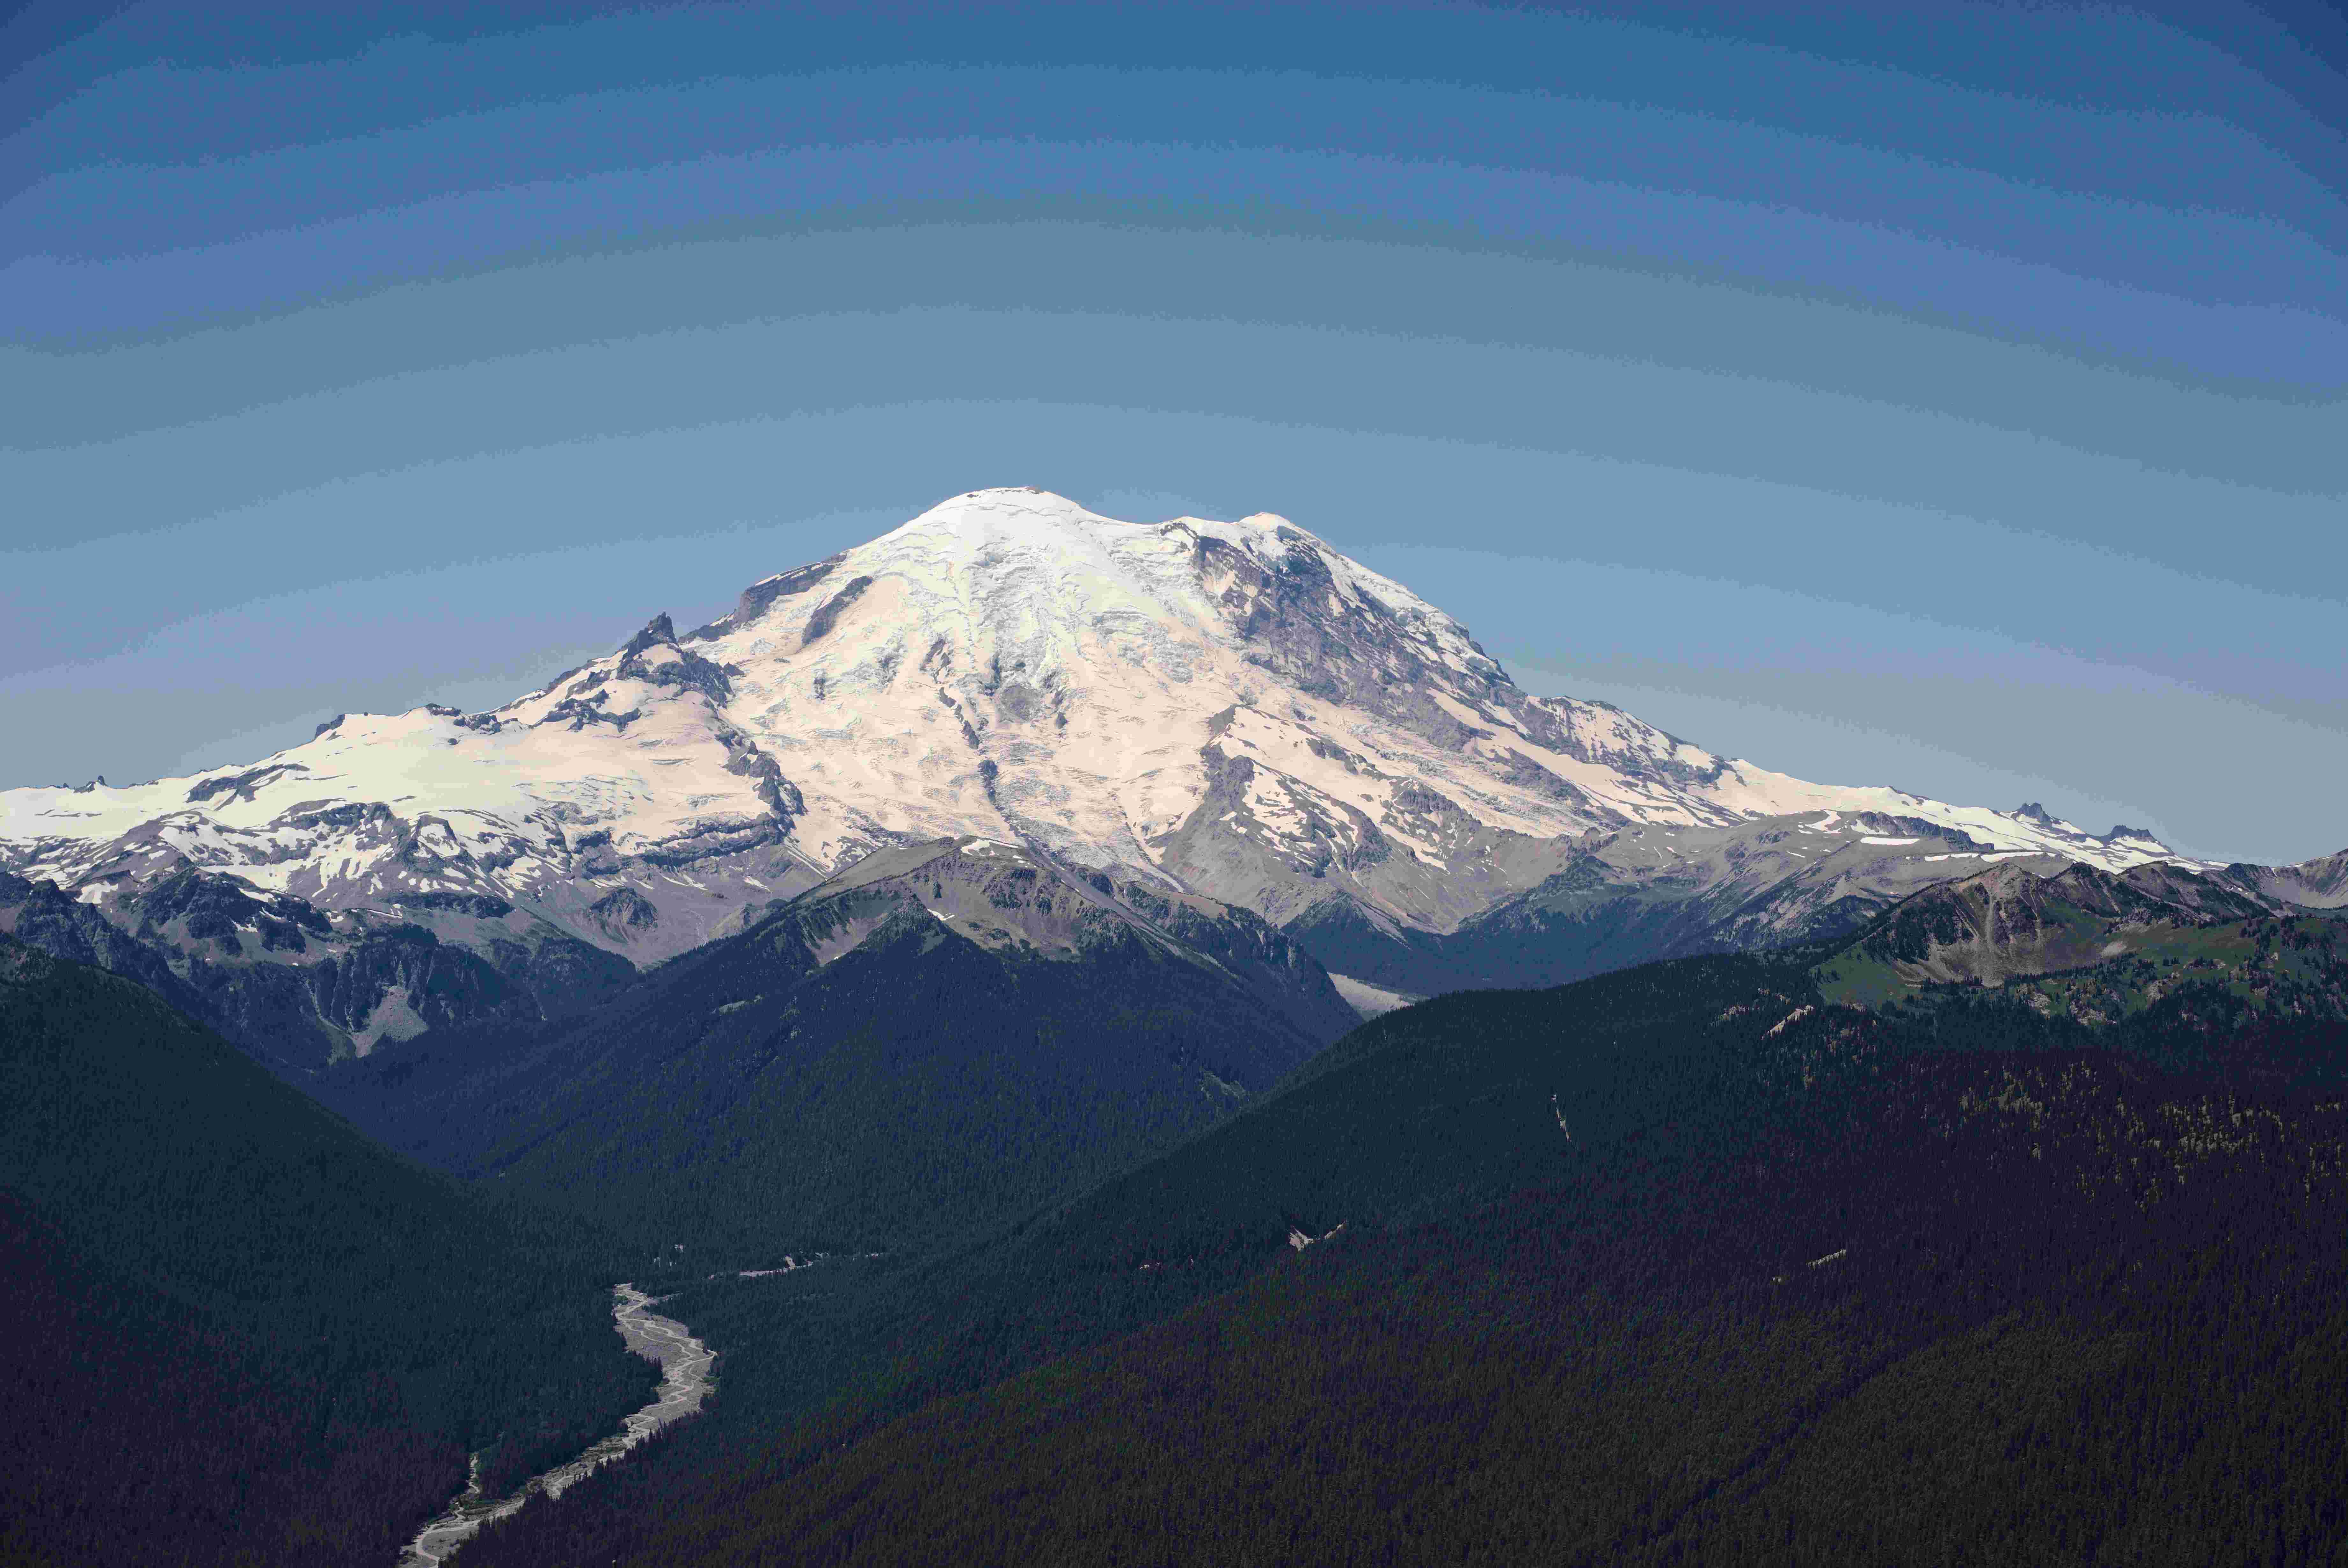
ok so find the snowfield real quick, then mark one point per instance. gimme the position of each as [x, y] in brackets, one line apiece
[1233, 709]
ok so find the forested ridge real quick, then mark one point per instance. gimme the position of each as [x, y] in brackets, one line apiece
[241, 1332]
[745, 1102]
[1679, 1264]
[1686, 1263]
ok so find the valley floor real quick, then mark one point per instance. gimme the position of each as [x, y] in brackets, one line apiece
[685, 1381]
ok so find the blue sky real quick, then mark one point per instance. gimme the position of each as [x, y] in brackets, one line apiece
[1947, 395]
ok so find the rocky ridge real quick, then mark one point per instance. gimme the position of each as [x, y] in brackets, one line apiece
[1227, 710]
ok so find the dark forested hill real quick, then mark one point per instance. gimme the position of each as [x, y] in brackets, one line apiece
[2012, 1227]
[950, 1032]
[1685, 1265]
[238, 1331]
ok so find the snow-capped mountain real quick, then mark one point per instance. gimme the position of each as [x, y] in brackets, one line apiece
[1233, 710]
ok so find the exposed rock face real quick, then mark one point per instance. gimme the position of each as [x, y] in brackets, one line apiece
[2006, 922]
[303, 989]
[2318, 884]
[624, 914]
[1010, 900]
[2186, 967]
[1234, 712]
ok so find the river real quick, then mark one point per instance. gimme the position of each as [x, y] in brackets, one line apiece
[685, 1381]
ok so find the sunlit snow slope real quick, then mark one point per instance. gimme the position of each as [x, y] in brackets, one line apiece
[1232, 707]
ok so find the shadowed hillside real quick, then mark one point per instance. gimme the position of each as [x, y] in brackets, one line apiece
[242, 1333]
[1681, 1265]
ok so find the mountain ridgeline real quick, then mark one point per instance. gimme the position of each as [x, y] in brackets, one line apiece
[301, 988]
[944, 1032]
[1228, 711]
[942, 981]
[1694, 1262]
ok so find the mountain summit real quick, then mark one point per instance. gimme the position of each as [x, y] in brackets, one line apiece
[1233, 710]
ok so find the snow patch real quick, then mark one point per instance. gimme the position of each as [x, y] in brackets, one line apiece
[1370, 1002]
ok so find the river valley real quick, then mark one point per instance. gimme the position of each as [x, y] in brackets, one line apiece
[685, 1381]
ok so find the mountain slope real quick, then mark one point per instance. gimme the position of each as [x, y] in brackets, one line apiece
[2167, 966]
[303, 990]
[942, 1033]
[1230, 710]
[1684, 1262]
[1636, 895]
[240, 1331]
[1961, 1371]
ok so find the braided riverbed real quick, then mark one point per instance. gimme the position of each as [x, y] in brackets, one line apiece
[685, 1381]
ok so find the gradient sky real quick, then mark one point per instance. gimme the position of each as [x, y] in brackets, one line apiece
[1946, 395]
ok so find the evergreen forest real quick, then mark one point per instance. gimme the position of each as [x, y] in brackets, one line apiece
[1673, 1265]
[1689, 1263]
[241, 1332]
